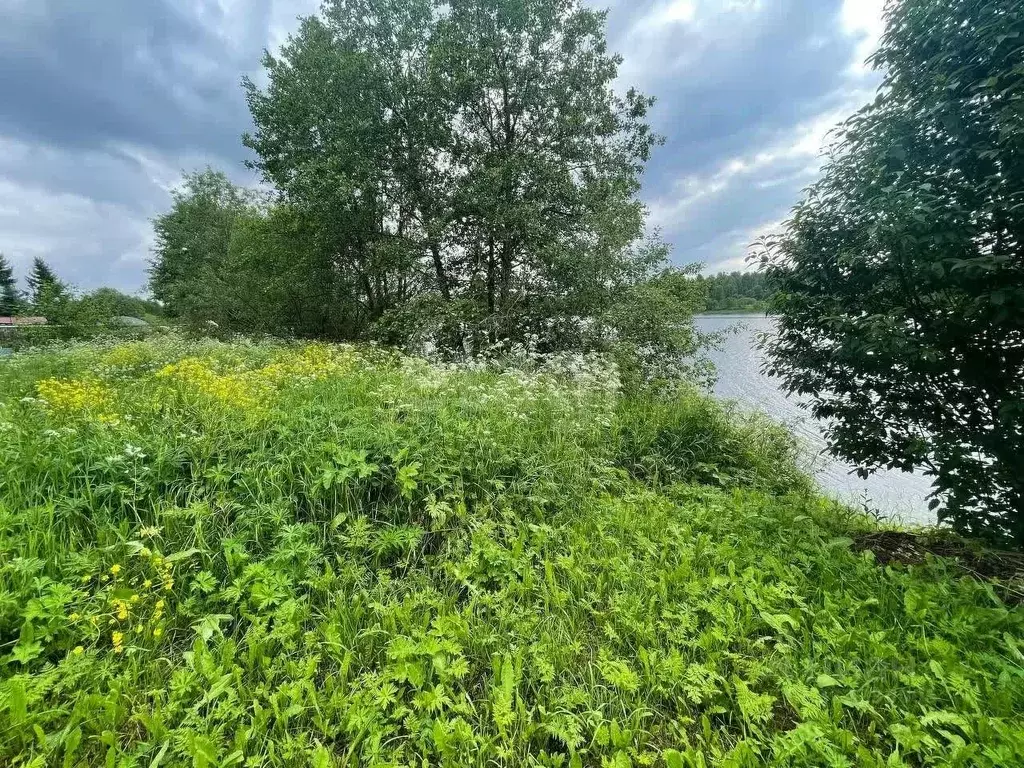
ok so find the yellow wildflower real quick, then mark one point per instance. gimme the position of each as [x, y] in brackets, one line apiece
[147, 584]
[74, 617]
[115, 569]
[236, 390]
[157, 632]
[314, 362]
[71, 397]
[79, 650]
[117, 638]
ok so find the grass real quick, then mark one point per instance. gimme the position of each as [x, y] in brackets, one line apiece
[277, 555]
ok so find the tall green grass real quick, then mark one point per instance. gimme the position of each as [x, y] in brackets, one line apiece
[274, 555]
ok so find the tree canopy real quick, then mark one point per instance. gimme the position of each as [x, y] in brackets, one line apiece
[900, 276]
[459, 172]
[467, 157]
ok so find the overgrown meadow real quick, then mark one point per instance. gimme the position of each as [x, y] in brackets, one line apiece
[262, 554]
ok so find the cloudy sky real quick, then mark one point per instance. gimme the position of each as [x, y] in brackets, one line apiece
[103, 104]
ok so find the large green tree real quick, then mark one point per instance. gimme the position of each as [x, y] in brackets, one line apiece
[10, 299]
[467, 165]
[901, 274]
[193, 240]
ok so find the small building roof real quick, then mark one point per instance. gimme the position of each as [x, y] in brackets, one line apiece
[128, 320]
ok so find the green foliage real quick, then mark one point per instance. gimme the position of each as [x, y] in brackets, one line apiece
[900, 276]
[695, 439]
[10, 299]
[283, 555]
[46, 291]
[460, 174]
[107, 304]
[192, 243]
[737, 292]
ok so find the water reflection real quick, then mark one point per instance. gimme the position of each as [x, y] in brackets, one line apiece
[898, 495]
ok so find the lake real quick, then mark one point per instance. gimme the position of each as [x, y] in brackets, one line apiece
[897, 495]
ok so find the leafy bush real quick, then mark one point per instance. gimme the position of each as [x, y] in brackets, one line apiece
[274, 555]
[900, 277]
[693, 438]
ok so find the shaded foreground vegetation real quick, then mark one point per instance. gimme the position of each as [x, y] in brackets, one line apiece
[271, 555]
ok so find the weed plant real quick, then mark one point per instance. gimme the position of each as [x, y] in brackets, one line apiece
[259, 554]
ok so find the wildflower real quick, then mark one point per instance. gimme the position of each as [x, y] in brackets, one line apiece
[149, 531]
[145, 552]
[75, 397]
[117, 638]
[157, 632]
[74, 617]
[115, 569]
[147, 584]
[79, 650]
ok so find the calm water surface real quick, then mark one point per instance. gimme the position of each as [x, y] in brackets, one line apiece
[894, 494]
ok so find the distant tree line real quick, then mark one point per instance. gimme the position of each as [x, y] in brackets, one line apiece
[454, 171]
[736, 292]
[77, 313]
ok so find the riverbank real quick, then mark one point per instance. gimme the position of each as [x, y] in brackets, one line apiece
[287, 555]
[890, 494]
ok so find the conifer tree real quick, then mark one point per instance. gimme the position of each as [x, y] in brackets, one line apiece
[10, 301]
[41, 281]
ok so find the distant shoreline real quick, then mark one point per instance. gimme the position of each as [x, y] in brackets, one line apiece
[743, 312]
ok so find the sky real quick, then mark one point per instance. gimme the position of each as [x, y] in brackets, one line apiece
[103, 105]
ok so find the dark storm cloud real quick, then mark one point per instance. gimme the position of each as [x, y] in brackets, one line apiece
[102, 104]
[160, 73]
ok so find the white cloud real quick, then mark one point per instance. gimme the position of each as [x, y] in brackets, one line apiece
[863, 19]
[714, 215]
[796, 156]
[79, 235]
[672, 12]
